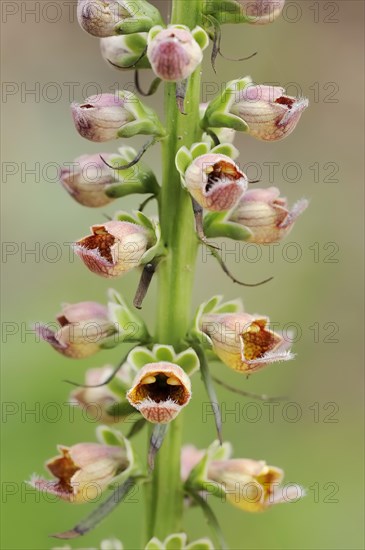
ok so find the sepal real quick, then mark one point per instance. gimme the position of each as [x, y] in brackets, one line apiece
[143, 18]
[137, 179]
[198, 479]
[110, 436]
[218, 115]
[124, 320]
[125, 52]
[185, 156]
[218, 224]
[226, 11]
[178, 541]
[214, 305]
[146, 121]
[187, 359]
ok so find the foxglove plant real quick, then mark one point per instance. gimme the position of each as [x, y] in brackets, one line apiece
[202, 194]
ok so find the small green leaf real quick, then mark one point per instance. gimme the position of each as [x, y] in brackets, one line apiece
[110, 437]
[176, 541]
[199, 149]
[154, 32]
[139, 357]
[188, 361]
[154, 544]
[230, 307]
[227, 120]
[227, 229]
[144, 220]
[136, 42]
[201, 544]
[226, 149]
[211, 304]
[212, 218]
[125, 217]
[164, 353]
[183, 160]
[201, 37]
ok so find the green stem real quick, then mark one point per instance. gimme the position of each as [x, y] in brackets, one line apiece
[176, 278]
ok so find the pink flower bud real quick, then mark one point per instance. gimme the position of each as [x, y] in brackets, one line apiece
[101, 117]
[266, 214]
[174, 54]
[83, 471]
[215, 182]
[160, 391]
[99, 17]
[261, 12]
[113, 248]
[270, 114]
[244, 342]
[83, 328]
[87, 179]
[99, 399]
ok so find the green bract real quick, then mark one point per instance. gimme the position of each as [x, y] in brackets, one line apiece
[129, 325]
[217, 224]
[143, 16]
[198, 477]
[217, 114]
[136, 179]
[109, 436]
[146, 120]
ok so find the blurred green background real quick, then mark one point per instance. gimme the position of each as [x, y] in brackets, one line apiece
[319, 440]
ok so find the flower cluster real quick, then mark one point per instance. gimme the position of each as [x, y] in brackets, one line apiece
[153, 383]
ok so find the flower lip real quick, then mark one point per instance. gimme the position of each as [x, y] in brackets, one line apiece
[245, 342]
[82, 471]
[160, 391]
[221, 172]
[160, 383]
[257, 341]
[113, 248]
[101, 241]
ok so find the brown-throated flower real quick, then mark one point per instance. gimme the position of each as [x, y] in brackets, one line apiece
[174, 53]
[113, 248]
[83, 471]
[87, 179]
[215, 181]
[160, 391]
[269, 113]
[266, 214]
[83, 327]
[99, 400]
[100, 117]
[251, 485]
[261, 12]
[244, 342]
